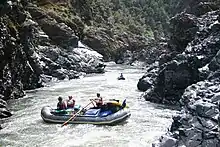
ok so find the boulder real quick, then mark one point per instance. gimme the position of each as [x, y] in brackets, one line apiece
[63, 36]
[166, 141]
[183, 30]
[201, 7]
[101, 40]
[149, 79]
[215, 63]
[4, 112]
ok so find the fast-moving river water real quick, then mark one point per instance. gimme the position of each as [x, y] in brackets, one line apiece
[147, 122]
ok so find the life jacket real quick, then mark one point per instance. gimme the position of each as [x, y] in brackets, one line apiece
[99, 102]
[61, 105]
[71, 103]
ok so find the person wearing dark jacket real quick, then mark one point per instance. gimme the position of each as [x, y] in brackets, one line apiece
[61, 105]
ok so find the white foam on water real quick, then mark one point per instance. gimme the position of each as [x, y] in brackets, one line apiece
[147, 122]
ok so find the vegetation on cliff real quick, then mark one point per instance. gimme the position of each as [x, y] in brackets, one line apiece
[141, 17]
[113, 26]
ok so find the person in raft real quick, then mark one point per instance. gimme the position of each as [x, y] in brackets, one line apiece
[121, 76]
[98, 100]
[70, 102]
[61, 105]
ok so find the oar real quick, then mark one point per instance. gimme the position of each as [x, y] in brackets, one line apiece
[75, 115]
[92, 100]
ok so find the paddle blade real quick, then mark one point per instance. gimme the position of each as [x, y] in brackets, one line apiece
[64, 124]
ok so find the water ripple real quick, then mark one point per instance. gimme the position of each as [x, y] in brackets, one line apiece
[147, 121]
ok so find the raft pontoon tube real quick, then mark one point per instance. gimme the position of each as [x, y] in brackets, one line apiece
[121, 78]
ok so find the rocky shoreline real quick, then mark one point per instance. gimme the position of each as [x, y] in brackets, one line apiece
[38, 45]
[43, 41]
[35, 48]
[188, 76]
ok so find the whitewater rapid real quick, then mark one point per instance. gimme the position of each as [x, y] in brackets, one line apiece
[148, 121]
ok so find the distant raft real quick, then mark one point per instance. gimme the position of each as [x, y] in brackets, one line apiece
[110, 114]
[121, 78]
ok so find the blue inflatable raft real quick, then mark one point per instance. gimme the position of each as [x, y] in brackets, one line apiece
[110, 114]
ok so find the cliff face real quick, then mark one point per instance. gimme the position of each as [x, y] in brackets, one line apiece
[40, 40]
[188, 76]
[37, 47]
[16, 72]
[193, 45]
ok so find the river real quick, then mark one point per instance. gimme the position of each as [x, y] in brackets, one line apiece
[147, 122]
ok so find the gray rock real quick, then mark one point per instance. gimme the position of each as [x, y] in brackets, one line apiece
[144, 83]
[210, 135]
[148, 80]
[216, 98]
[204, 109]
[193, 134]
[61, 74]
[215, 63]
[207, 123]
[166, 141]
[3, 104]
[185, 27]
[192, 143]
[63, 36]
[211, 143]
[4, 113]
[46, 78]
[51, 52]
